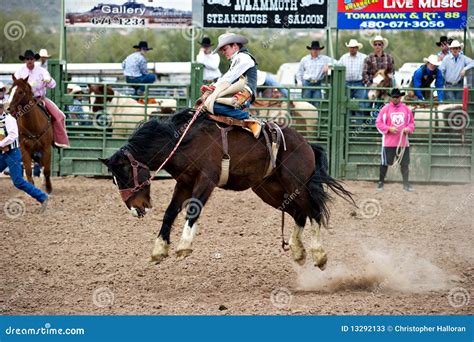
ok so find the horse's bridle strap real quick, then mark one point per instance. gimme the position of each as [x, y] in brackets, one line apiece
[127, 193]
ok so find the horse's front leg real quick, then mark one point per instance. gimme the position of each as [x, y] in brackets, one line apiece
[26, 158]
[201, 193]
[162, 244]
[46, 163]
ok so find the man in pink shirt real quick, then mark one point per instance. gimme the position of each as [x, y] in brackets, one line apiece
[395, 121]
[39, 80]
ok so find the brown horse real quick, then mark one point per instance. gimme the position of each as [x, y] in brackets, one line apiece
[35, 130]
[298, 185]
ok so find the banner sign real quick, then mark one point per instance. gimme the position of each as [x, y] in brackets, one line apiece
[401, 14]
[266, 13]
[123, 13]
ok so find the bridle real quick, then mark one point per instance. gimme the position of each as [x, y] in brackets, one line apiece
[136, 165]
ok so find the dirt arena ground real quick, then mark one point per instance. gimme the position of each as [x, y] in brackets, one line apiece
[399, 253]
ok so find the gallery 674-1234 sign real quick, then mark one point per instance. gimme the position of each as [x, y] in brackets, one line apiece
[265, 13]
[402, 14]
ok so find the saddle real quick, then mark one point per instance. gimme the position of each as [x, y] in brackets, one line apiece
[271, 131]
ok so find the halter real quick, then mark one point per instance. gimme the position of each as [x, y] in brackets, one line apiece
[127, 193]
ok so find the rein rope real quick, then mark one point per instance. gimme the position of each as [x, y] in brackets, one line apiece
[193, 119]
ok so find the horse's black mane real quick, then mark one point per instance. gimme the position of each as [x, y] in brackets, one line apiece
[155, 134]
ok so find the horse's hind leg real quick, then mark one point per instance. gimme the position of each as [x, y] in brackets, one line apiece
[180, 195]
[201, 193]
[46, 163]
[296, 245]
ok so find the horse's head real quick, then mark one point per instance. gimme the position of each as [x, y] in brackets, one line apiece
[20, 94]
[97, 94]
[132, 179]
[380, 79]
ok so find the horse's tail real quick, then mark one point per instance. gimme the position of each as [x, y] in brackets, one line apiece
[319, 196]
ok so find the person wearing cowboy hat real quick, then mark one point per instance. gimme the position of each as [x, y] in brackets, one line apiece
[242, 71]
[10, 156]
[3, 92]
[354, 63]
[44, 56]
[135, 68]
[425, 75]
[377, 60]
[210, 61]
[395, 122]
[453, 68]
[76, 111]
[39, 80]
[312, 69]
[444, 45]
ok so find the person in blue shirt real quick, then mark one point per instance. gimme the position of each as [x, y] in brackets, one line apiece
[425, 75]
[135, 68]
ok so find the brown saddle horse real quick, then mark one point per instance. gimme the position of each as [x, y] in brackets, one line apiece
[35, 129]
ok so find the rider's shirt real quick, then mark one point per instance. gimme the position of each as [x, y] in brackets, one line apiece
[9, 128]
[239, 64]
[37, 78]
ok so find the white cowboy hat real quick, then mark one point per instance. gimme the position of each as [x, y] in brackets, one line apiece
[379, 39]
[354, 43]
[432, 59]
[44, 53]
[261, 75]
[456, 44]
[74, 88]
[230, 38]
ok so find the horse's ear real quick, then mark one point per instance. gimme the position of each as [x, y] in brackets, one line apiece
[26, 79]
[106, 161]
[13, 77]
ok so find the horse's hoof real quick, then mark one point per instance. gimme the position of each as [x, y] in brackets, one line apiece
[183, 253]
[158, 258]
[320, 258]
[299, 255]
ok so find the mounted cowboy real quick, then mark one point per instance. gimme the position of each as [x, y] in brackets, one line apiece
[39, 80]
[236, 89]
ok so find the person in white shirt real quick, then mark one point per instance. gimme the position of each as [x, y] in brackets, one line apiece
[210, 61]
[10, 156]
[354, 63]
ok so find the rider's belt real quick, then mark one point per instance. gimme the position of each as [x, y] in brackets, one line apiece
[449, 83]
[312, 81]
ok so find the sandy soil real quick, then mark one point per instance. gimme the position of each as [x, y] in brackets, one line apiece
[399, 253]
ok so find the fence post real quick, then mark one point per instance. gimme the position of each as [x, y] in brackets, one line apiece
[338, 115]
[55, 68]
[197, 71]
